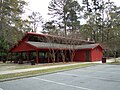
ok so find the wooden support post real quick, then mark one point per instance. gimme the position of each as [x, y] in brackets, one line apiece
[11, 57]
[48, 57]
[57, 56]
[37, 56]
[28, 56]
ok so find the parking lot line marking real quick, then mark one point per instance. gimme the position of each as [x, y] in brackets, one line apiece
[101, 78]
[59, 83]
[1, 89]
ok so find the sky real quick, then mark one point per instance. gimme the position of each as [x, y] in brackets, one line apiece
[42, 7]
[37, 6]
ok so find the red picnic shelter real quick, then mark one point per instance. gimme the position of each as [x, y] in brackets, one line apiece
[42, 46]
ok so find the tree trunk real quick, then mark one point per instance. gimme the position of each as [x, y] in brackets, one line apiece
[65, 25]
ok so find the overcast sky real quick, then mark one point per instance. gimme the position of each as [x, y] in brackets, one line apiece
[38, 6]
[42, 7]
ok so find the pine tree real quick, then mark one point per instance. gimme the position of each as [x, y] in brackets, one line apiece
[66, 12]
[10, 19]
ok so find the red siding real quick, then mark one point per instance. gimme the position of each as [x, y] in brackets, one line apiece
[80, 56]
[23, 47]
[96, 54]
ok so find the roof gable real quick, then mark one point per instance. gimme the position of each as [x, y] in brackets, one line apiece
[23, 47]
[57, 39]
[88, 46]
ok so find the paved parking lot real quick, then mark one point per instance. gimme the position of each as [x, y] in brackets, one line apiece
[100, 77]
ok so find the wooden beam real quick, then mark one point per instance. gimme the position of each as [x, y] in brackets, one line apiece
[28, 56]
[37, 56]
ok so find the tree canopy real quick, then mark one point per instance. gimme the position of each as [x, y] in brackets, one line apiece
[67, 13]
[11, 21]
[102, 21]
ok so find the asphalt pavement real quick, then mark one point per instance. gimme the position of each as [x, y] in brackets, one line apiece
[99, 77]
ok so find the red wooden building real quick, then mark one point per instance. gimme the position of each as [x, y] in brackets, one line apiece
[39, 47]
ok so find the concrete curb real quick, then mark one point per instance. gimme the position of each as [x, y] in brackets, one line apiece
[38, 68]
[27, 76]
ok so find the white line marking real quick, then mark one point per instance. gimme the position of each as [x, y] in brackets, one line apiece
[1, 89]
[88, 76]
[50, 81]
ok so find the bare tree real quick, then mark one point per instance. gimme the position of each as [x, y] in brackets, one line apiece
[35, 20]
[51, 47]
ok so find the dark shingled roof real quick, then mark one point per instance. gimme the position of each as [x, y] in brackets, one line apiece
[48, 45]
[61, 46]
[87, 46]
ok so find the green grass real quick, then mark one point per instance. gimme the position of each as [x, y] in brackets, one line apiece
[38, 72]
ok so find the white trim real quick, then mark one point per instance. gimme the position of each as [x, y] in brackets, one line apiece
[1, 89]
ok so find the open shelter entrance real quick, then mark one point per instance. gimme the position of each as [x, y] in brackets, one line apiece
[42, 56]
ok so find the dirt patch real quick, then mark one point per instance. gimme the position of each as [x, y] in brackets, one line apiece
[12, 66]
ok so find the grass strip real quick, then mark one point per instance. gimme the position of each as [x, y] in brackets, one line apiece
[38, 72]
